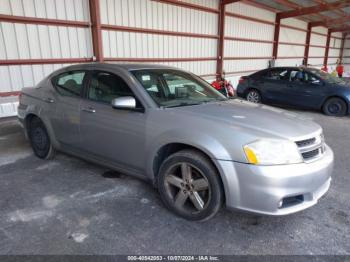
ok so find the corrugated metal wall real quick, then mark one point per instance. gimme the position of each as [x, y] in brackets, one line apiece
[293, 32]
[20, 41]
[144, 29]
[334, 48]
[346, 54]
[316, 53]
[238, 27]
[160, 16]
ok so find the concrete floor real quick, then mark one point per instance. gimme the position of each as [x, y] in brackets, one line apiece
[68, 206]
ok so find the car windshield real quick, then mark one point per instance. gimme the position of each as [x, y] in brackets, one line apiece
[326, 77]
[174, 88]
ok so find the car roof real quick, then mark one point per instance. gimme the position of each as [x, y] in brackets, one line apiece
[293, 67]
[125, 66]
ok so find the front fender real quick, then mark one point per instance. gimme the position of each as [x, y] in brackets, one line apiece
[203, 142]
[213, 148]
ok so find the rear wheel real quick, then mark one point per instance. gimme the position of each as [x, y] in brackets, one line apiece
[335, 107]
[253, 96]
[40, 139]
[190, 186]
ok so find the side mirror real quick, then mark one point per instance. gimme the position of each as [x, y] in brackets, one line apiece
[125, 102]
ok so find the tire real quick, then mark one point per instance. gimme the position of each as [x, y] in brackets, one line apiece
[335, 107]
[40, 140]
[253, 96]
[198, 198]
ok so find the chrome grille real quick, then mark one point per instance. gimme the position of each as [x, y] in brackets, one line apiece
[306, 142]
[312, 148]
[311, 154]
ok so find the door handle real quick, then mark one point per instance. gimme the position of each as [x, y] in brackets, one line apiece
[49, 100]
[88, 109]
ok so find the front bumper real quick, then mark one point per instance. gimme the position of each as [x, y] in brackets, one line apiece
[276, 190]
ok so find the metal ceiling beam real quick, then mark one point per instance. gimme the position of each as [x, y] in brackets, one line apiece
[330, 22]
[260, 5]
[340, 29]
[226, 2]
[288, 4]
[315, 9]
[297, 6]
[338, 11]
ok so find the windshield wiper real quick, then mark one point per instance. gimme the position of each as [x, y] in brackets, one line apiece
[183, 104]
[214, 100]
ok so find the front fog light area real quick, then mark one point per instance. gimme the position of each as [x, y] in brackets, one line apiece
[291, 201]
[280, 204]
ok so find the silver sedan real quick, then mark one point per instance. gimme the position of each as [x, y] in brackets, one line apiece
[168, 126]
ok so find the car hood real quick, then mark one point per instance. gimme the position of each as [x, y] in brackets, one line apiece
[265, 119]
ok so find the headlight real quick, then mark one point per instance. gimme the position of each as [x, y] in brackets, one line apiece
[272, 152]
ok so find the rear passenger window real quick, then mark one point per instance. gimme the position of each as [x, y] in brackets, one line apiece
[70, 84]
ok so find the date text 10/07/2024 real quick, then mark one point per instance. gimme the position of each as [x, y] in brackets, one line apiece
[173, 258]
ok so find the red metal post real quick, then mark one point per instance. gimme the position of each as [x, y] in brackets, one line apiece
[96, 29]
[307, 43]
[221, 30]
[276, 36]
[325, 61]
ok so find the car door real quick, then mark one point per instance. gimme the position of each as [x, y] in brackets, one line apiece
[65, 102]
[114, 135]
[304, 90]
[273, 84]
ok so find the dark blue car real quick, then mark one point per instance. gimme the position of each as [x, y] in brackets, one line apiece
[300, 87]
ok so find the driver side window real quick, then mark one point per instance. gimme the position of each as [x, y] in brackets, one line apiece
[104, 87]
[311, 79]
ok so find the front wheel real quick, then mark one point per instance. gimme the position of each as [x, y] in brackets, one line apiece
[253, 96]
[190, 186]
[335, 107]
[40, 139]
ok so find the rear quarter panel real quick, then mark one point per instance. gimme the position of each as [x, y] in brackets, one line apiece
[32, 102]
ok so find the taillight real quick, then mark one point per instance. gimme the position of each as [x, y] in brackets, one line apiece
[241, 80]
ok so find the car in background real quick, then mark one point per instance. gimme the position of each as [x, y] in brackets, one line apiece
[301, 87]
[170, 127]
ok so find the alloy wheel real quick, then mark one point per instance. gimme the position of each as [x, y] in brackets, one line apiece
[188, 188]
[253, 96]
[334, 108]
